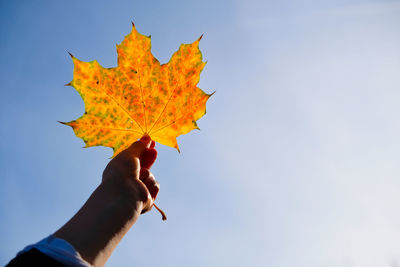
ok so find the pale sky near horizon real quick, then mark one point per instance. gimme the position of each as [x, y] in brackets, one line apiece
[297, 160]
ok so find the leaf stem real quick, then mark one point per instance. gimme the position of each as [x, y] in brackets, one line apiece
[164, 217]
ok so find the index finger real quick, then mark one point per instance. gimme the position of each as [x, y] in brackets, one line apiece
[148, 158]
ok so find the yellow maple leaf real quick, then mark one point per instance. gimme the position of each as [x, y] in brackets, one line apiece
[139, 96]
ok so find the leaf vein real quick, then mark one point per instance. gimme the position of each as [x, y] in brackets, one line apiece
[169, 99]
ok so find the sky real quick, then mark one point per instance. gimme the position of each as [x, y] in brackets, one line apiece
[297, 159]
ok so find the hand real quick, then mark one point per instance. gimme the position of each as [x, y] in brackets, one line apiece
[127, 189]
[129, 173]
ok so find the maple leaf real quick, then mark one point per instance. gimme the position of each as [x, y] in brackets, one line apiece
[139, 96]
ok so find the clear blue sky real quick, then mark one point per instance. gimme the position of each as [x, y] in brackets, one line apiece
[297, 162]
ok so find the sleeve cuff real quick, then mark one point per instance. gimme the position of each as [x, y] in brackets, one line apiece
[59, 250]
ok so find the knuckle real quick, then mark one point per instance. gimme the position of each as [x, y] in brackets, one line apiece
[147, 203]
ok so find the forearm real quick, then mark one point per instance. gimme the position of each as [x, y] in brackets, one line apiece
[101, 223]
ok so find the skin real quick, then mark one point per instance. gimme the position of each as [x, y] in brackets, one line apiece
[128, 188]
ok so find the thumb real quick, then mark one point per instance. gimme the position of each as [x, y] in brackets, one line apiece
[137, 148]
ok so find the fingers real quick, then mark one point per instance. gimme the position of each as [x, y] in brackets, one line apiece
[148, 179]
[147, 158]
[143, 149]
